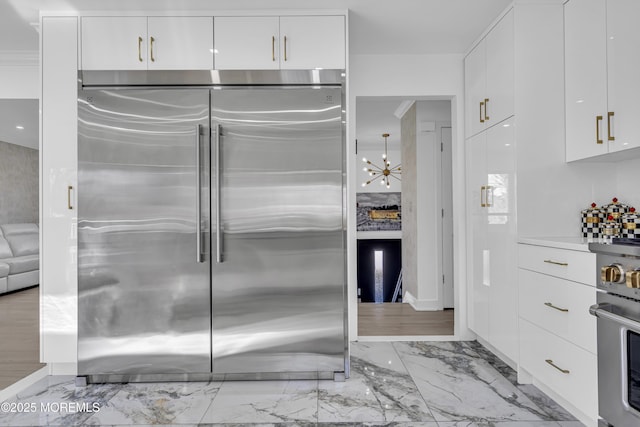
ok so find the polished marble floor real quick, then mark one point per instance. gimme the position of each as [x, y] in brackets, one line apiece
[446, 384]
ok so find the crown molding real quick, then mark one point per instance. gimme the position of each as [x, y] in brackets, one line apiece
[19, 58]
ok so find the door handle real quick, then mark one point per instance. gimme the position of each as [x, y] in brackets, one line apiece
[601, 311]
[69, 190]
[273, 48]
[610, 136]
[481, 117]
[483, 196]
[151, 49]
[564, 310]
[564, 371]
[486, 104]
[140, 49]
[598, 120]
[218, 175]
[199, 257]
[285, 48]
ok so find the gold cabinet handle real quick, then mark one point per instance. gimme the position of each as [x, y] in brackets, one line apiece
[609, 136]
[486, 104]
[273, 48]
[483, 202]
[481, 118]
[140, 49]
[598, 120]
[564, 371]
[151, 49]
[548, 261]
[285, 48]
[564, 310]
[69, 189]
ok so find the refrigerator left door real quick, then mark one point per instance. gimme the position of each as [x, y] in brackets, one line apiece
[143, 220]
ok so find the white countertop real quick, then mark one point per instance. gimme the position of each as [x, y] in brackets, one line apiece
[571, 243]
[387, 234]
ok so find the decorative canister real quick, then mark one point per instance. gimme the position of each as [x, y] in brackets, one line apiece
[610, 229]
[631, 225]
[592, 219]
[615, 209]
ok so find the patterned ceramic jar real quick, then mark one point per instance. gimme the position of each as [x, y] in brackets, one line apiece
[592, 219]
[610, 229]
[631, 225]
[615, 209]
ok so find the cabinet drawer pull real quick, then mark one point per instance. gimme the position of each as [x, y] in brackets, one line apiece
[483, 196]
[151, 49]
[481, 118]
[285, 48]
[273, 48]
[140, 49]
[69, 189]
[610, 137]
[564, 371]
[598, 120]
[548, 261]
[564, 310]
[486, 104]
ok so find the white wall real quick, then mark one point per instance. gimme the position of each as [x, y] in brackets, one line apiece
[19, 76]
[419, 77]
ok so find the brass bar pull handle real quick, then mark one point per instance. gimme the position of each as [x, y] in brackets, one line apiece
[486, 104]
[548, 261]
[610, 137]
[564, 371]
[481, 118]
[598, 120]
[483, 196]
[151, 49]
[273, 48]
[285, 48]
[198, 197]
[140, 49]
[69, 189]
[218, 175]
[564, 310]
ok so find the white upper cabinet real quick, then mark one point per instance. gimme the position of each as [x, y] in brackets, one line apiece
[247, 43]
[623, 39]
[489, 78]
[114, 43]
[141, 43]
[180, 43]
[310, 42]
[601, 68]
[287, 42]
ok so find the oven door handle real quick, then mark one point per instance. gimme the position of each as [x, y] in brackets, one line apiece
[601, 311]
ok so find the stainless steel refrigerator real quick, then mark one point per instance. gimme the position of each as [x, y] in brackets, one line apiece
[211, 226]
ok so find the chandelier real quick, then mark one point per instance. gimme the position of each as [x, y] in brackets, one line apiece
[384, 172]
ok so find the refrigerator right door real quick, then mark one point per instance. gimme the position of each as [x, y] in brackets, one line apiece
[278, 256]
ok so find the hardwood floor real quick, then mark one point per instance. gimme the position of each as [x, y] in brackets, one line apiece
[19, 335]
[397, 319]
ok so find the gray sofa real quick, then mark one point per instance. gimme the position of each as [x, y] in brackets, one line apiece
[19, 256]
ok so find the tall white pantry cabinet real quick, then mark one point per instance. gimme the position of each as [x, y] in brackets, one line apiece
[72, 43]
[524, 111]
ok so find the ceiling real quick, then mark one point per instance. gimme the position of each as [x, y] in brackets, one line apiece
[376, 27]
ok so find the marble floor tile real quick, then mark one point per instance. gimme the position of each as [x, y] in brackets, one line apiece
[458, 384]
[157, 403]
[243, 402]
[379, 390]
[499, 424]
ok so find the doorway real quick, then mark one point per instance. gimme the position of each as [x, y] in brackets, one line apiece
[420, 138]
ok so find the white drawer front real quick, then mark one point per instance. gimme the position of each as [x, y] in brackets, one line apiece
[566, 264]
[579, 385]
[559, 306]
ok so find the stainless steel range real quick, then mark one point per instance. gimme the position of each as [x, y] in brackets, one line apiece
[618, 313]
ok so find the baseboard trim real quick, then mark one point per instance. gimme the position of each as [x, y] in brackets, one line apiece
[22, 384]
[421, 305]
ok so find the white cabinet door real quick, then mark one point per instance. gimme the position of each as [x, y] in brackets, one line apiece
[502, 238]
[247, 43]
[500, 70]
[114, 43]
[475, 90]
[585, 79]
[58, 154]
[180, 43]
[310, 42]
[478, 253]
[623, 39]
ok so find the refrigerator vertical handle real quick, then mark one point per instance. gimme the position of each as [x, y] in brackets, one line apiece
[218, 129]
[199, 257]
